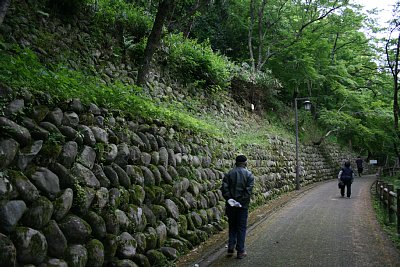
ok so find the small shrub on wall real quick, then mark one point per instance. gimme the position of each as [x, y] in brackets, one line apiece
[198, 62]
[133, 19]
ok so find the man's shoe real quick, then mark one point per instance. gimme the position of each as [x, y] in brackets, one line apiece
[241, 255]
[230, 253]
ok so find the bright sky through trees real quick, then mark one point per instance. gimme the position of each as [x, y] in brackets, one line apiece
[384, 7]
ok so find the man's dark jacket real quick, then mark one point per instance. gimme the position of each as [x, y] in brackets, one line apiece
[347, 174]
[238, 184]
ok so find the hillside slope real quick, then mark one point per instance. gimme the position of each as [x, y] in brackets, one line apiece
[96, 171]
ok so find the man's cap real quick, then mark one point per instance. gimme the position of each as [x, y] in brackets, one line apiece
[241, 158]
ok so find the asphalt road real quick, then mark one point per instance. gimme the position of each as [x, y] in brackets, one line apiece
[319, 228]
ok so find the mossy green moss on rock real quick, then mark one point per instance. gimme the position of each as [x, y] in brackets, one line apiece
[31, 245]
[126, 246]
[136, 195]
[75, 229]
[177, 244]
[137, 217]
[97, 224]
[110, 218]
[150, 195]
[192, 237]
[8, 252]
[76, 256]
[157, 259]
[56, 239]
[183, 224]
[151, 238]
[160, 212]
[110, 243]
[63, 204]
[141, 260]
[141, 242]
[28, 191]
[95, 252]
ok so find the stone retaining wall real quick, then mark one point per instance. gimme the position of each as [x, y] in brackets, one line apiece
[84, 186]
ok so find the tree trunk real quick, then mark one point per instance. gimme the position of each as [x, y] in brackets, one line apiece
[154, 39]
[4, 4]
[250, 37]
[394, 68]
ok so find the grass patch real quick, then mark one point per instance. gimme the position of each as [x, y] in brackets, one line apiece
[20, 68]
[383, 218]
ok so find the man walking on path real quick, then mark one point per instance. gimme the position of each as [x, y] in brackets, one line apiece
[346, 177]
[237, 187]
[359, 163]
[319, 229]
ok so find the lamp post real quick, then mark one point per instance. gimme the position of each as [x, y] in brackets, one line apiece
[307, 106]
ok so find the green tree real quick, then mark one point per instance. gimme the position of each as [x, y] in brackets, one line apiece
[164, 7]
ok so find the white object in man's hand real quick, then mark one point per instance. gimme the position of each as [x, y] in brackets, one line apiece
[234, 203]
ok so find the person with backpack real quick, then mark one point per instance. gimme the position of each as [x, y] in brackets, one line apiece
[237, 187]
[346, 177]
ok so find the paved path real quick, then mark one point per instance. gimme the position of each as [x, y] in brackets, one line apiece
[319, 228]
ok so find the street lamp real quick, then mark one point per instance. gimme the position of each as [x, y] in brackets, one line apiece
[307, 106]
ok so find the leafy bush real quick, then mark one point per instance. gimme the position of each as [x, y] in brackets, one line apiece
[259, 88]
[20, 68]
[197, 62]
[135, 49]
[127, 15]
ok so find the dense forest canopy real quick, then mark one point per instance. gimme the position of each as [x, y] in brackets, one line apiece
[267, 52]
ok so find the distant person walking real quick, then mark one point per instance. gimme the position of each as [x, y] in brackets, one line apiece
[359, 163]
[237, 187]
[346, 177]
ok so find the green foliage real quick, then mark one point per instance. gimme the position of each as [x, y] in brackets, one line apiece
[22, 69]
[124, 14]
[195, 61]
[382, 216]
[259, 88]
[135, 49]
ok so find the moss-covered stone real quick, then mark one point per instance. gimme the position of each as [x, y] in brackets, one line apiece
[192, 237]
[8, 252]
[56, 239]
[141, 260]
[157, 259]
[136, 195]
[31, 245]
[156, 174]
[76, 256]
[126, 246]
[177, 244]
[150, 195]
[110, 245]
[97, 224]
[75, 229]
[141, 242]
[137, 217]
[110, 218]
[183, 224]
[151, 238]
[28, 191]
[95, 251]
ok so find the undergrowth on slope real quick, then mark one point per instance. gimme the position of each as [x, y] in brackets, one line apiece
[390, 228]
[20, 68]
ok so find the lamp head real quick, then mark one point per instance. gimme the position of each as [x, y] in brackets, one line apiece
[307, 105]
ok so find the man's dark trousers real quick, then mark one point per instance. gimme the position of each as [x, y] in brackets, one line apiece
[347, 184]
[237, 219]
